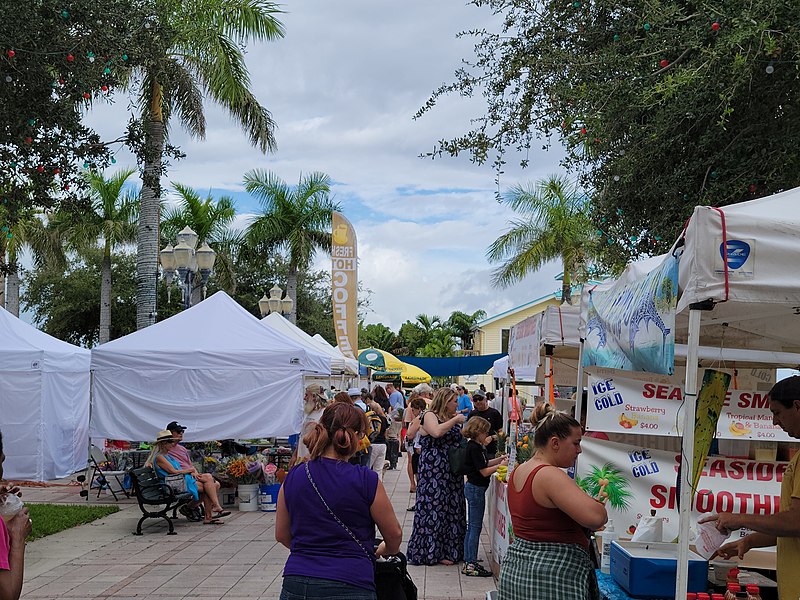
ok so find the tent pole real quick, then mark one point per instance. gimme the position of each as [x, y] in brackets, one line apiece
[89, 448]
[579, 397]
[687, 453]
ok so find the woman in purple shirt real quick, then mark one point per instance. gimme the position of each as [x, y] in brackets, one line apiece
[331, 556]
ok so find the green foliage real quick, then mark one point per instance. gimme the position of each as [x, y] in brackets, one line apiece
[659, 109]
[410, 338]
[66, 304]
[54, 54]
[51, 518]
[376, 335]
[462, 325]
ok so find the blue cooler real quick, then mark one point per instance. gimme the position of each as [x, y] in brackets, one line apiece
[648, 569]
[268, 497]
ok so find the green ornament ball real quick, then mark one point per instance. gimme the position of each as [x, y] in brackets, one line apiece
[31, 121]
[65, 14]
[576, 4]
[616, 37]
[124, 57]
[106, 71]
[647, 26]
[113, 160]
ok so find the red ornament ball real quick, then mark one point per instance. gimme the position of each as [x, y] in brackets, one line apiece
[28, 140]
[715, 26]
[11, 54]
[70, 58]
[753, 187]
[104, 88]
[61, 81]
[66, 188]
[56, 171]
[40, 169]
[583, 130]
[87, 95]
[664, 63]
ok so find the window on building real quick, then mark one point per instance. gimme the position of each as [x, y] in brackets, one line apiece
[504, 334]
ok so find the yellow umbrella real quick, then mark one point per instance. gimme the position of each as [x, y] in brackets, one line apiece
[387, 365]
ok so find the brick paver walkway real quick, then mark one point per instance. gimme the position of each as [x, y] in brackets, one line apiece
[239, 560]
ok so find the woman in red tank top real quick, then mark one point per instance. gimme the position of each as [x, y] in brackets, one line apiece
[549, 557]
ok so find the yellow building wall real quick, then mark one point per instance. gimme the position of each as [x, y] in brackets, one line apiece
[491, 334]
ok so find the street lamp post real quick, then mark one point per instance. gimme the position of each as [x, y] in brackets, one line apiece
[276, 304]
[187, 260]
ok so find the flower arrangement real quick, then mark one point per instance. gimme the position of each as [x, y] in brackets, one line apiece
[248, 469]
[524, 450]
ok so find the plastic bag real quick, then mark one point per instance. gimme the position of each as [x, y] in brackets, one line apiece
[709, 539]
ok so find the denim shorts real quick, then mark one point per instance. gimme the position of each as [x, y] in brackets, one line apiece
[296, 587]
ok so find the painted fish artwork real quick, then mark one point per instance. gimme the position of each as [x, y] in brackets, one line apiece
[631, 325]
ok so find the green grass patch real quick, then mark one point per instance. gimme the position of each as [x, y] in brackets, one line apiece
[52, 518]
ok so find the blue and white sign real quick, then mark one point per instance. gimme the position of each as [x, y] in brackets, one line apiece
[740, 256]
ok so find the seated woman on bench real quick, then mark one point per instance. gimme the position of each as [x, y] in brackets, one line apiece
[165, 465]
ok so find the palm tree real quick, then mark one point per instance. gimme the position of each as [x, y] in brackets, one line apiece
[31, 230]
[296, 220]
[428, 325]
[211, 221]
[462, 325]
[441, 343]
[198, 52]
[111, 218]
[555, 224]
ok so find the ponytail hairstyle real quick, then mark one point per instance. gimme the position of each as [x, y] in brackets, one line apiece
[549, 422]
[341, 426]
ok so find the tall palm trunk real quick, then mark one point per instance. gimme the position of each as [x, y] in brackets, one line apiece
[105, 295]
[149, 215]
[12, 283]
[291, 292]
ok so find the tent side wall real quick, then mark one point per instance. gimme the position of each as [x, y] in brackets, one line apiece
[65, 422]
[21, 414]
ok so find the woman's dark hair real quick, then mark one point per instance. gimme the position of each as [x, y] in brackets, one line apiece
[341, 426]
[380, 397]
[489, 396]
[549, 422]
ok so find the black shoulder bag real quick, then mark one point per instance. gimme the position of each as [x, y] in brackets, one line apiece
[392, 581]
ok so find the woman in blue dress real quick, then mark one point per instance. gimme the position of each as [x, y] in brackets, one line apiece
[165, 465]
[440, 520]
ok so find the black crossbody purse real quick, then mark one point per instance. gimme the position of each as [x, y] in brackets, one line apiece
[392, 581]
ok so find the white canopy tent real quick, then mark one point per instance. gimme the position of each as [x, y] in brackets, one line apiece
[214, 368]
[738, 299]
[44, 402]
[282, 326]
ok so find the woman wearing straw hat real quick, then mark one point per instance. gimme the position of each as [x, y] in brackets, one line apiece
[165, 465]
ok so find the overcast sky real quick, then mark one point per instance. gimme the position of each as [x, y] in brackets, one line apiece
[343, 86]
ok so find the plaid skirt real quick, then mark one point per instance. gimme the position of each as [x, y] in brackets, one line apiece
[547, 571]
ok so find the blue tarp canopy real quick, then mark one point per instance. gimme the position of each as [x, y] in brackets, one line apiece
[450, 367]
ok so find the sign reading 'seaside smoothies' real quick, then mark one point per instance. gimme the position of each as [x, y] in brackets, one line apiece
[633, 406]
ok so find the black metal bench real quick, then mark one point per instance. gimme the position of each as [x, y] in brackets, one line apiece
[156, 498]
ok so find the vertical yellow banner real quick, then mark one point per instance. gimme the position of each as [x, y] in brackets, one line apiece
[344, 275]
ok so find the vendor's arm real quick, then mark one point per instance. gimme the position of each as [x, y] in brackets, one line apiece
[382, 513]
[556, 487]
[785, 523]
[413, 428]
[433, 428]
[283, 531]
[741, 546]
[19, 527]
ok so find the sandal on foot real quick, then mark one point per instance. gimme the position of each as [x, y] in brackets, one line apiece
[221, 513]
[214, 522]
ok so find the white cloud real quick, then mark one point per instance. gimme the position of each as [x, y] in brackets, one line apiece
[343, 87]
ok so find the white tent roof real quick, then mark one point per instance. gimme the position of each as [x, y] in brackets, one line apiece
[44, 402]
[317, 343]
[214, 368]
[760, 308]
[216, 333]
[559, 326]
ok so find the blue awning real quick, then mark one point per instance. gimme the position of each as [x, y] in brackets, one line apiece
[451, 367]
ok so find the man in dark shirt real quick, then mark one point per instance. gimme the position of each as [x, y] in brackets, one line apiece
[492, 415]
